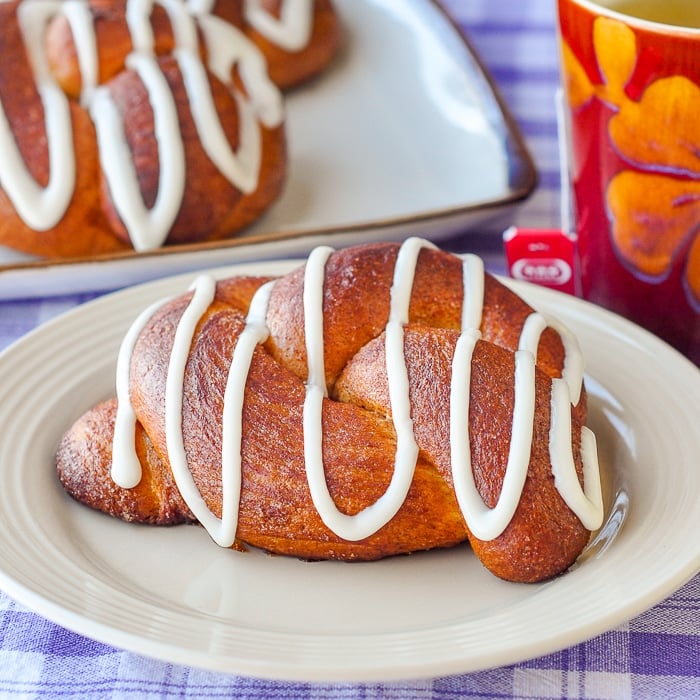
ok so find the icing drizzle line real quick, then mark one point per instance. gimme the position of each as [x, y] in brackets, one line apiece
[484, 522]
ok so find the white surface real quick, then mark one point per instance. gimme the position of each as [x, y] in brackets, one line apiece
[402, 135]
[173, 594]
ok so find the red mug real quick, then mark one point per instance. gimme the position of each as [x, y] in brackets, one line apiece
[632, 91]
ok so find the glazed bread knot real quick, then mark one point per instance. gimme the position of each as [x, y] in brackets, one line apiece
[378, 400]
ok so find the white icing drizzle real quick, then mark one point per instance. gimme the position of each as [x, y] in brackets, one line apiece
[473, 294]
[572, 372]
[587, 503]
[242, 168]
[78, 15]
[201, 7]
[204, 290]
[126, 468]
[373, 517]
[484, 522]
[147, 228]
[291, 31]
[254, 333]
[41, 208]
[233, 48]
[488, 523]
[138, 13]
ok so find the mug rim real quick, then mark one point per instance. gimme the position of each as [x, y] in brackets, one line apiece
[597, 8]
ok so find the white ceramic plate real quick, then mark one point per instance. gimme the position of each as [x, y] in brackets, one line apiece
[173, 594]
[403, 135]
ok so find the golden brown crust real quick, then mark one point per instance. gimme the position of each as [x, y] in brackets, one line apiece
[276, 510]
[436, 301]
[273, 176]
[544, 537]
[88, 447]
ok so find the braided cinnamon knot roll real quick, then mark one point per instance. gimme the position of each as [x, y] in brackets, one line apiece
[139, 123]
[378, 400]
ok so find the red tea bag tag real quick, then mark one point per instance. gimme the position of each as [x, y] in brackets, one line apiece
[542, 256]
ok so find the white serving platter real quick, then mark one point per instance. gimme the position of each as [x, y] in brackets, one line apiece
[405, 134]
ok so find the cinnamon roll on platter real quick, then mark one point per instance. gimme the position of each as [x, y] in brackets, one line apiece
[135, 124]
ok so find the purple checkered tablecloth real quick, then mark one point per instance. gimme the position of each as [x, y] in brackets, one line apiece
[655, 655]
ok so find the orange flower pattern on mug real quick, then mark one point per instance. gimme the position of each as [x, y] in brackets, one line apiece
[655, 208]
